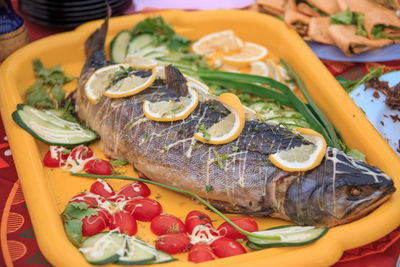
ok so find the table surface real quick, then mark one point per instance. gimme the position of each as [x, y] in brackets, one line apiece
[17, 238]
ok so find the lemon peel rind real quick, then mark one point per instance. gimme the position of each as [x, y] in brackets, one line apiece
[315, 161]
[233, 104]
[176, 117]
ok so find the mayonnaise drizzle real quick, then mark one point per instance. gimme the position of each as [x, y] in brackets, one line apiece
[204, 233]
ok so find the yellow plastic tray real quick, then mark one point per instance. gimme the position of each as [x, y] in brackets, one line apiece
[48, 190]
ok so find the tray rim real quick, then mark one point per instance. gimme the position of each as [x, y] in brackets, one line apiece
[50, 230]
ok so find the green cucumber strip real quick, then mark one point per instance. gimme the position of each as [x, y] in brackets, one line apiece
[152, 49]
[138, 42]
[290, 235]
[160, 257]
[264, 106]
[289, 121]
[103, 248]
[50, 129]
[136, 253]
[254, 246]
[119, 46]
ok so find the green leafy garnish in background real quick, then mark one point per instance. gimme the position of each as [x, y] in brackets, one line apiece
[47, 90]
[350, 18]
[78, 210]
[162, 33]
[349, 86]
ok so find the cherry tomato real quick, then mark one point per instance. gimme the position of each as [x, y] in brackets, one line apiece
[143, 209]
[195, 218]
[173, 243]
[200, 252]
[167, 223]
[81, 152]
[226, 247]
[134, 189]
[94, 224]
[93, 200]
[102, 188]
[125, 222]
[105, 214]
[98, 166]
[60, 159]
[245, 223]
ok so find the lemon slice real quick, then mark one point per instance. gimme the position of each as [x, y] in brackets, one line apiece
[219, 41]
[274, 72]
[99, 83]
[259, 68]
[141, 62]
[229, 128]
[248, 53]
[171, 110]
[130, 85]
[197, 85]
[302, 158]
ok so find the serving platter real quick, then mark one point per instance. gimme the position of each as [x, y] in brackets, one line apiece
[48, 190]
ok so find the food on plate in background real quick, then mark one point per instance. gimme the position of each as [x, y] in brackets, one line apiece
[355, 26]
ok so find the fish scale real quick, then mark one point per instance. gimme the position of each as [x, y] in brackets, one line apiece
[247, 183]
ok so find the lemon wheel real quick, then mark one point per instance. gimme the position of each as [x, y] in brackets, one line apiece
[302, 158]
[229, 128]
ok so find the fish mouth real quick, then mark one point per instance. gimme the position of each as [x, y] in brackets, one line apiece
[361, 209]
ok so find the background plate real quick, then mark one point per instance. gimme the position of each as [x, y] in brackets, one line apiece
[378, 113]
[330, 52]
[48, 190]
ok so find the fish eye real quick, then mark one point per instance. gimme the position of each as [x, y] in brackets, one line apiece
[355, 192]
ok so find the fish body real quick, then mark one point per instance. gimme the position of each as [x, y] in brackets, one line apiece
[235, 177]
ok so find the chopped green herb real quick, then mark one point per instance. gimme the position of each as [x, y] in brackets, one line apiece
[118, 162]
[78, 210]
[209, 188]
[235, 148]
[164, 148]
[203, 129]
[220, 158]
[146, 136]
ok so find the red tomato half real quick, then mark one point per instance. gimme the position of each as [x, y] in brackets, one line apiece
[93, 200]
[195, 218]
[81, 153]
[167, 223]
[102, 188]
[226, 247]
[134, 189]
[98, 166]
[247, 224]
[125, 222]
[143, 209]
[94, 224]
[200, 252]
[60, 159]
[173, 243]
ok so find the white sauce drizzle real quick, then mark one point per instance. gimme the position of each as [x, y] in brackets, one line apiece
[204, 233]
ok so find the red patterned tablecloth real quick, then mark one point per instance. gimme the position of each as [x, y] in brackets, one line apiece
[17, 238]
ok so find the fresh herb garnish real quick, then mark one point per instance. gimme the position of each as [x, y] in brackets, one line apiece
[350, 18]
[203, 129]
[164, 148]
[78, 210]
[209, 188]
[47, 90]
[235, 148]
[73, 229]
[118, 162]
[220, 158]
[349, 86]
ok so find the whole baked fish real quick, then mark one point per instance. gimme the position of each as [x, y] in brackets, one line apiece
[339, 190]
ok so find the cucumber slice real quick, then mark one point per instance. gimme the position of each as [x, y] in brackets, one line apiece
[290, 235]
[119, 46]
[254, 246]
[289, 114]
[50, 129]
[136, 253]
[290, 121]
[103, 248]
[161, 256]
[264, 106]
[138, 42]
[152, 49]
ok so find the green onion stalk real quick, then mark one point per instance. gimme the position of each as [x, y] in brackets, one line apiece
[182, 191]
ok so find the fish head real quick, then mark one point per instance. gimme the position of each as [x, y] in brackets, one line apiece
[340, 191]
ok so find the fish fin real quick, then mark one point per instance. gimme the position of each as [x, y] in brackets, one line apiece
[94, 45]
[175, 80]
